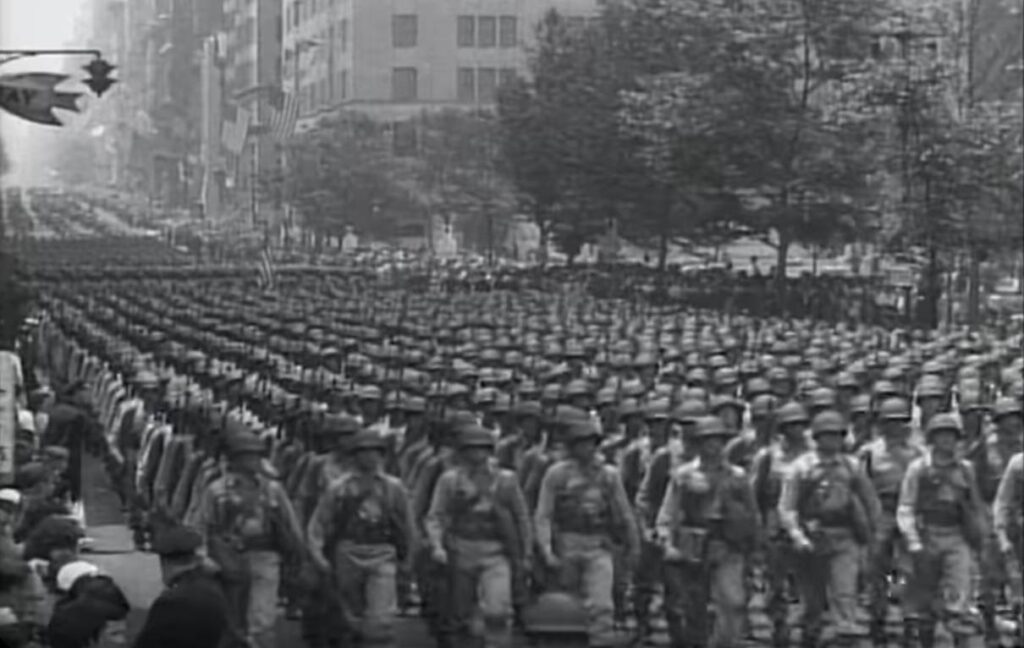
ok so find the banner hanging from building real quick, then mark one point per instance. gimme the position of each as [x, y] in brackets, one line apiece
[33, 97]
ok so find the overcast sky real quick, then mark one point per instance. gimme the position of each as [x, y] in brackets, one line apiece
[39, 24]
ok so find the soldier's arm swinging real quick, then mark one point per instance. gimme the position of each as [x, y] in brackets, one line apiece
[517, 504]
[621, 501]
[906, 514]
[436, 521]
[789, 515]
[545, 509]
[668, 518]
[319, 529]
[1003, 507]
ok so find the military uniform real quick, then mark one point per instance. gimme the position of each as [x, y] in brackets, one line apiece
[828, 507]
[581, 512]
[361, 529]
[248, 522]
[767, 472]
[707, 524]
[478, 525]
[885, 461]
[940, 516]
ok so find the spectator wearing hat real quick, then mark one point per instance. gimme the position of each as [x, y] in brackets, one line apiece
[92, 613]
[10, 508]
[38, 501]
[361, 531]
[18, 612]
[192, 611]
[248, 522]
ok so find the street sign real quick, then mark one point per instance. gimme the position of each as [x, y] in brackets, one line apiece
[902, 277]
[33, 96]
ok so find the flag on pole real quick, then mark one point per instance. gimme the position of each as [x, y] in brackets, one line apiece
[235, 131]
[268, 278]
[284, 114]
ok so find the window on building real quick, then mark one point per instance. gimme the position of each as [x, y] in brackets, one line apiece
[404, 84]
[312, 96]
[465, 82]
[326, 93]
[487, 84]
[466, 31]
[403, 140]
[507, 35]
[342, 84]
[576, 23]
[403, 31]
[332, 90]
[344, 34]
[487, 31]
[506, 76]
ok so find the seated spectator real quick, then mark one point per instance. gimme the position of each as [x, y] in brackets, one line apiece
[92, 611]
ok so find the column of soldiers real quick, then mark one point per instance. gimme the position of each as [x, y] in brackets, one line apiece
[349, 452]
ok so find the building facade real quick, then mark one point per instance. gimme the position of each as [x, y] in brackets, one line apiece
[395, 58]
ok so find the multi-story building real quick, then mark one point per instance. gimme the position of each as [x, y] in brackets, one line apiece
[253, 31]
[394, 58]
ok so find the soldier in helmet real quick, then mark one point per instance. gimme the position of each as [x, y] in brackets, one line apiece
[885, 461]
[707, 524]
[479, 527]
[990, 463]
[767, 471]
[828, 507]
[941, 518]
[1008, 520]
[360, 531]
[582, 512]
[248, 522]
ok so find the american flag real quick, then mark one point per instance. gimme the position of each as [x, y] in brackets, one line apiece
[284, 113]
[268, 278]
[234, 132]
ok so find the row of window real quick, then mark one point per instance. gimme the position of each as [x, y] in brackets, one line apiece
[486, 31]
[472, 85]
[481, 84]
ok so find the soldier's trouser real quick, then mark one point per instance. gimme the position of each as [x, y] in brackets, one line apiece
[778, 568]
[940, 587]
[880, 566]
[829, 577]
[481, 582]
[261, 611]
[690, 587]
[992, 581]
[369, 595]
[588, 570]
[646, 580]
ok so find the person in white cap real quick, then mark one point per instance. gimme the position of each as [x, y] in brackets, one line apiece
[69, 574]
[10, 505]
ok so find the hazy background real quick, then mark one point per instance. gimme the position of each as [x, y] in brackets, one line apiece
[41, 24]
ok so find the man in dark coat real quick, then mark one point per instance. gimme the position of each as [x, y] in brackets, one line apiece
[192, 612]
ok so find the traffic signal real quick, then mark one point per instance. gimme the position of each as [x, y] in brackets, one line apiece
[99, 80]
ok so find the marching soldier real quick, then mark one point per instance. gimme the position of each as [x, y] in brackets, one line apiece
[582, 512]
[990, 464]
[885, 461]
[479, 527]
[247, 522]
[828, 507]
[1008, 520]
[360, 532]
[940, 515]
[768, 469]
[707, 524]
